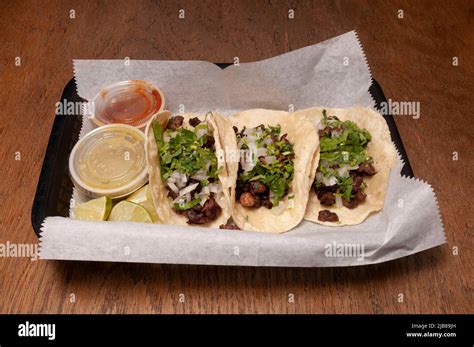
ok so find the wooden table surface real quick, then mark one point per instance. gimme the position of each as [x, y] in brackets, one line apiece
[412, 58]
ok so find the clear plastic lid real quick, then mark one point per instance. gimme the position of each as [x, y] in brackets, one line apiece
[129, 102]
[109, 161]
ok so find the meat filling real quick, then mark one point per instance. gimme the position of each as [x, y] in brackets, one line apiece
[359, 198]
[230, 225]
[327, 216]
[203, 214]
[175, 122]
[253, 194]
[266, 166]
[326, 194]
[326, 198]
[343, 166]
[194, 121]
[196, 213]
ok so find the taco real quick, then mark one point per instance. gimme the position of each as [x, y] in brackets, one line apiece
[356, 156]
[278, 155]
[187, 170]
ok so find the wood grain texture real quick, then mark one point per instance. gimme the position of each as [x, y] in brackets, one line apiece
[410, 57]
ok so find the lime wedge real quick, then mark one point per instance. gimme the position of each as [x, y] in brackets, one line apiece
[126, 211]
[94, 210]
[143, 198]
[139, 196]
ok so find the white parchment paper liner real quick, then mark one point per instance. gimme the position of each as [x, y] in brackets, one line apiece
[333, 73]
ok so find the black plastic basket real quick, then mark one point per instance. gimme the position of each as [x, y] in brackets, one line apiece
[54, 189]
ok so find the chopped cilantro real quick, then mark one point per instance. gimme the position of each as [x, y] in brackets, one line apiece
[342, 143]
[277, 175]
[187, 205]
[184, 152]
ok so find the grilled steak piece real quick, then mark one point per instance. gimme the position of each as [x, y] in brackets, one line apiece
[256, 187]
[366, 169]
[247, 199]
[209, 141]
[326, 198]
[229, 227]
[195, 217]
[358, 198]
[172, 194]
[267, 203]
[194, 121]
[175, 122]
[357, 183]
[324, 132]
[327, 216]
[211, 209]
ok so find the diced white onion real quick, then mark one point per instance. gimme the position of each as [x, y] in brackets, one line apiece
[173, 187]
[251, 135]
[270, 159]
[201, 132]
[267, 141]
[261, 152]
[200, 175]
[178, 178]
[329, 181]
[321, 126]
[188, 189]
[205, 190]
[179, 200]
[252, 139]
[336, 133]
[342, 171]
[338, 201]
[188, 197]
[215, 188]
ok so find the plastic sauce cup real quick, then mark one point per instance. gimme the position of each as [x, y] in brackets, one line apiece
[128, 102]
[109, 161]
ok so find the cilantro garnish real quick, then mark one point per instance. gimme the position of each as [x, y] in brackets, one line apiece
[342, 143]
[184, 152]
[278, 174]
